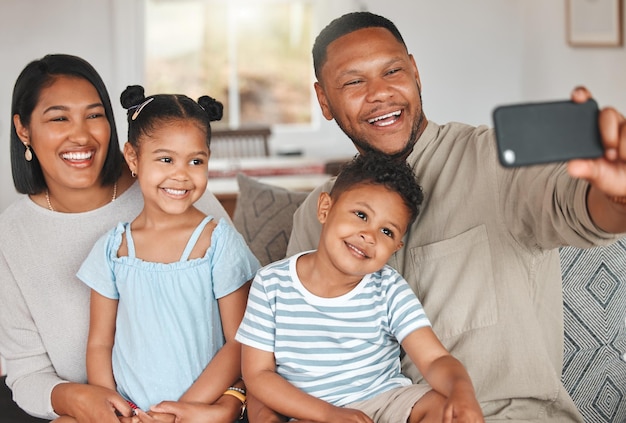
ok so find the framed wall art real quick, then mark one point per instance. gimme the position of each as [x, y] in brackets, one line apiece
[594, 23]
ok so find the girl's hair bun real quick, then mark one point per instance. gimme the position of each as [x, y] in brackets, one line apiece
[132, 96]
[213, 108]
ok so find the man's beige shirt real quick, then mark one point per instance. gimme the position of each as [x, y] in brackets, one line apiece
[482, 258]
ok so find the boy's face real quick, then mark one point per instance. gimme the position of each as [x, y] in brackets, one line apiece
[362, 227]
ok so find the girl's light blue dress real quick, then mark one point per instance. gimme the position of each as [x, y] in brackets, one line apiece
[168, 324]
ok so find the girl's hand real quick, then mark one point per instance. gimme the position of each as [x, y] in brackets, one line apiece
[188, 412]
[149, 417]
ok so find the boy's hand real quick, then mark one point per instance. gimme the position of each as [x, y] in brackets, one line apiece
[462, 407]
[349, 415]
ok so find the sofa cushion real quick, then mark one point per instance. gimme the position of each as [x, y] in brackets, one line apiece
[264, 216]
[594, 305]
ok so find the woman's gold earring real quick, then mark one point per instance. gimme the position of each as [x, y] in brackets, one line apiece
[28, 154]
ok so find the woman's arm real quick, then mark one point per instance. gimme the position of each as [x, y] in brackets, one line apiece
[31, 373]
[98, 401]
[103, 312]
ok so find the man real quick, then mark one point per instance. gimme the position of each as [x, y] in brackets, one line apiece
[482, 257]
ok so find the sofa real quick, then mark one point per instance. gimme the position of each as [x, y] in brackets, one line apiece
[594, 303]
[594, 307]
[11, 413]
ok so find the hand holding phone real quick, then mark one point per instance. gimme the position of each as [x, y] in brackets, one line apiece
[538, 133]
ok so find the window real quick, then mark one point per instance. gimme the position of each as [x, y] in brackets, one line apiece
[252, 55]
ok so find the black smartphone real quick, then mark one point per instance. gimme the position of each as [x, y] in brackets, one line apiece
[537, 133]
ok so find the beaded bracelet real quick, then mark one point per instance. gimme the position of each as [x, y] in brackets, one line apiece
[133, 406]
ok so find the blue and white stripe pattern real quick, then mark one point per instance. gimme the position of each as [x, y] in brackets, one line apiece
[341, 349]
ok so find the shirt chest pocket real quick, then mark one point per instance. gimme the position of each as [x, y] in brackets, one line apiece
[455, 282]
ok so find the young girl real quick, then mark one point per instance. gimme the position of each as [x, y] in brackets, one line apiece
[169, 288]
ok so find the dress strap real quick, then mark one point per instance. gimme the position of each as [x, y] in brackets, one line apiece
[130, 244]
[194, 238]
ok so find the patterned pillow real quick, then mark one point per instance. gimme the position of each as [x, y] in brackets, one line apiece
[264, 216]
[594, 305]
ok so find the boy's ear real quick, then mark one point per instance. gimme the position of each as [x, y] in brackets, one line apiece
[324, 203]
[130, 154]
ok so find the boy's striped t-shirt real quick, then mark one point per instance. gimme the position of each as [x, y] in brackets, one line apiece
[342, 349]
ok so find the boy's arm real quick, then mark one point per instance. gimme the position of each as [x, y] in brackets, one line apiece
[444, 373]
[103, 312]
[259, 372]
[225, 368]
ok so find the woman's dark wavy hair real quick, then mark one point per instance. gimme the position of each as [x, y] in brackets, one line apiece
[145, 114]
[344, 25]
[39, 74]
[377, 169]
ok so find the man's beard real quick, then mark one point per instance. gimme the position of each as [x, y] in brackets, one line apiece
[365, 147]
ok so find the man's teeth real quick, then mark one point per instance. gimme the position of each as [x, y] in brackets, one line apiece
[175, 191]
[77, 156]
[383, 117]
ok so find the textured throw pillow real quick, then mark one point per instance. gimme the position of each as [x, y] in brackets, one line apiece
[264, 216]
[594, 306]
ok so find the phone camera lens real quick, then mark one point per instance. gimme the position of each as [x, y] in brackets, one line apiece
[509, 156]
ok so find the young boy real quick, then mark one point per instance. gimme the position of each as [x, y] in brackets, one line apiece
[322, 331]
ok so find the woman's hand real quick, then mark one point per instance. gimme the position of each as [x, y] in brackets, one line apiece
[89, 403]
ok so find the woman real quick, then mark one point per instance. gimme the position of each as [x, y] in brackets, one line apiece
[65, 157]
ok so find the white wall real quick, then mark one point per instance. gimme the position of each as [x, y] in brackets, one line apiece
[551, 68]
[467, 53]
[472, 56]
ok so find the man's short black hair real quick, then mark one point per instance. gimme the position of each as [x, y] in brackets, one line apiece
[344, 25]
